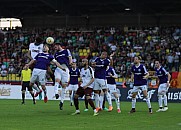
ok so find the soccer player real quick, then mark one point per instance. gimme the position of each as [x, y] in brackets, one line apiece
[164, 84]
[73, 83]
[111, 83]
[86, 88]
[139, 76]
[42, 61]
[25, 81]
[64, 58]
[101, 64]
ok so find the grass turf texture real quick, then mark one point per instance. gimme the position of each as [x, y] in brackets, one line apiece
[47, 116]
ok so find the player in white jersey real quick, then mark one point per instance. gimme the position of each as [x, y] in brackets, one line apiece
[42, 61]
[86, 88]
[35, 48]
[64, 58]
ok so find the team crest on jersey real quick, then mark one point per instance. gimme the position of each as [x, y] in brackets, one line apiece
[139, 69]
[160, 72]
[38, 47]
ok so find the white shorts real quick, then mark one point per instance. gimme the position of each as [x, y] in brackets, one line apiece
[162, 89]
[99, 84]
[112, 88]
[64, 76]
[38, 75]
[137, 88]
[73, 87]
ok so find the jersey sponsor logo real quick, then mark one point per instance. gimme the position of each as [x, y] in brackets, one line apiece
[36, 51]
[43, 57]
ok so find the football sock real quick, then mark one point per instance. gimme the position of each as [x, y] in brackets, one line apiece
[160, 101]
[165, 100]
[101, 98]
[76, 103]
[23, 97]
[117, 103]
[109, 98]
[133, 102]
[148, 102]
[96, 99]
[86, 103]
[91, 103]
[36, 88]
[62, 95]
[56, 87]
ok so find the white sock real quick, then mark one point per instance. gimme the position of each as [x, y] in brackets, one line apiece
[62, 95]
[71, 97]
[165, 100]
[101, 98]
[117, 103]
[160, 100]
[36, 88]
[109, 99]
[148, 102]
[133, 102]
[45, 92]
[96, 96]
[56, 87]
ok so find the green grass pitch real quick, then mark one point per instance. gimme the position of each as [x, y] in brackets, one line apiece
[47, 116]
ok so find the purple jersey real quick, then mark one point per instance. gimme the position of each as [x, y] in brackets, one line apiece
[74, 75]
[63, 56]
[110, 80]
[162, 75]
[100, 68]
[43, 60]
[139, 72]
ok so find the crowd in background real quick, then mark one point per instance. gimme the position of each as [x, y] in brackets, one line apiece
[163, 43]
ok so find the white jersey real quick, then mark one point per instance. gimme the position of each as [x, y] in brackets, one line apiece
[86, 76]
[35, 49]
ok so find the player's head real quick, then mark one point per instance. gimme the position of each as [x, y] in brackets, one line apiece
[73, 63]
[103, 55]
[58, 46]
[84, 62]
[157, 63]
[45, 48]
[92, 63]
[38, 41]
[137, 59]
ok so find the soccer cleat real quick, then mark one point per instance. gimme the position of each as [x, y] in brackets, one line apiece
[98, 109]
[56, 96]
[132, 111]
[105, 109]
[150, 110]
[110, 109]
[159, 110]
[165, 109]
[119, 110]
[95, 113]
[37, 93]
[76, 112]
[45, 99]
[61, 106]
[23, 103]
[86, 110]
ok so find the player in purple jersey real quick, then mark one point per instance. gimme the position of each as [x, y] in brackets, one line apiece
[42, 61]
[164, 84]
[111, 83]
[73, 83]
[64, 58]
[100, 81]
[139, 76]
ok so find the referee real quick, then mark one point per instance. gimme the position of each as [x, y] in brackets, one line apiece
[25, 81]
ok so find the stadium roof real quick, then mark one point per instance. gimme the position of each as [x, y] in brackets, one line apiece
[23, 8]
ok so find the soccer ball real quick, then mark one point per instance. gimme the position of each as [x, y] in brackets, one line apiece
[49, 40]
